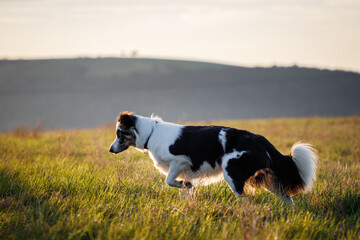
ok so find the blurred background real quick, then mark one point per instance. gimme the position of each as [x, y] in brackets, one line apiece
[77, 64]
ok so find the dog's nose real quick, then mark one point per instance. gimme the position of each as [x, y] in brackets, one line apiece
[111, 149]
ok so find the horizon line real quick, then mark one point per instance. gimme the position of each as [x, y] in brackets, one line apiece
[174, 58]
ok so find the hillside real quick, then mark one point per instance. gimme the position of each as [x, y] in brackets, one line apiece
[82, 93]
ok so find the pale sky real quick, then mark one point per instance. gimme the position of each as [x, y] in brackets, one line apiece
[314, 33]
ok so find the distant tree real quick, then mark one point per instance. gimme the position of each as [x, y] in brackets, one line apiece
[134, 53]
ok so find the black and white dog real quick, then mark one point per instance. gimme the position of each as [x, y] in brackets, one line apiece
[199, 155]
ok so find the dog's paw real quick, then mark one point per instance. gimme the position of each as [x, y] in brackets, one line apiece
[187, 184]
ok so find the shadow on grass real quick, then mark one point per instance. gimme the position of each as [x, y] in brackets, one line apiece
[25, 215]
[342, 206]
[10, 186]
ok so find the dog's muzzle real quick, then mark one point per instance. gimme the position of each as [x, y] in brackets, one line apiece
[117, 148]
[111, 149]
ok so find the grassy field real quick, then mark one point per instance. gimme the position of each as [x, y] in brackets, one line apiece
[65, 185]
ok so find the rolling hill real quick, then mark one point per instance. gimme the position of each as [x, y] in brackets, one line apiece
[85, 92]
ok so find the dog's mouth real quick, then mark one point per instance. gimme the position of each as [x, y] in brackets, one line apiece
[119, 149]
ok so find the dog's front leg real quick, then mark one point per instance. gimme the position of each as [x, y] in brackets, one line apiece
[174, 171]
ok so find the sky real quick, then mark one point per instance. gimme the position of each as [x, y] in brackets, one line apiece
[313, 33]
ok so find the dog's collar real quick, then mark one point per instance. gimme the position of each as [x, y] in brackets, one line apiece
[147, 140]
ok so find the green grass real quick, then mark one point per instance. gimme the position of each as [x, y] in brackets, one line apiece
[65, 185]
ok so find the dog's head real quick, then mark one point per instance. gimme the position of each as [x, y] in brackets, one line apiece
[125, 133]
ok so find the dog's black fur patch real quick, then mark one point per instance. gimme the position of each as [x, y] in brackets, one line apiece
[200, 144]
[127, 120]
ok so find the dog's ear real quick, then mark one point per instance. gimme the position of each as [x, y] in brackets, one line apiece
[127, 119]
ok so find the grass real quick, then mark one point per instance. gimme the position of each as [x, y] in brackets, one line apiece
[65, 185]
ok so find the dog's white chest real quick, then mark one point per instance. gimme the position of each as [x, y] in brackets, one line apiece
[161, 165]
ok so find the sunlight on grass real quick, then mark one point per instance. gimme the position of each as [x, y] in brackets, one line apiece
[65, 184]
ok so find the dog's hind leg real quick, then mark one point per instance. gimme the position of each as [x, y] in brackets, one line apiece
[277, 191]
[266, 178]
[238, 167]
[282, 195]
[235, 181]
[286, 198]
[275, 187]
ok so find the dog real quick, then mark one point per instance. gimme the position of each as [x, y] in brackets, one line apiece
[199, 155]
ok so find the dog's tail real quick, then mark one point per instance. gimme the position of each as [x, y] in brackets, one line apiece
[305, 158]
[295, 173]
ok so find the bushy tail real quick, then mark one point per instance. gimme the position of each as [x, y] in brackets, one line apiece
[305, 159]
